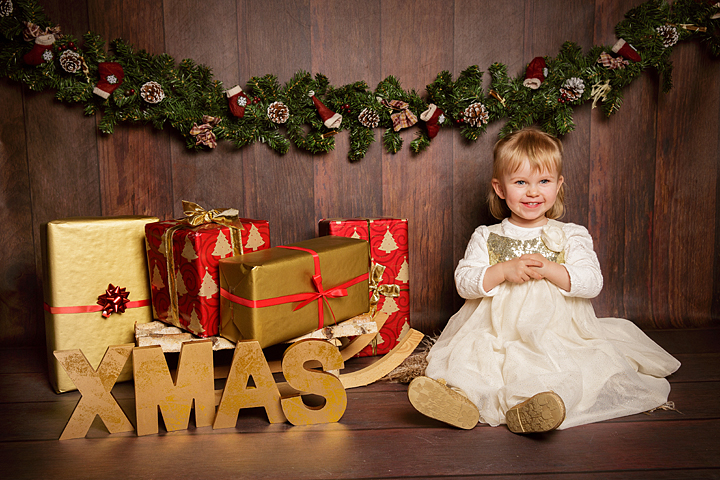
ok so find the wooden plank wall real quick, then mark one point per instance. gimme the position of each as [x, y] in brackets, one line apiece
[645, 181]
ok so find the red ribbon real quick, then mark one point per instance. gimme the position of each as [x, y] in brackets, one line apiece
[305, 298]
[92, 308]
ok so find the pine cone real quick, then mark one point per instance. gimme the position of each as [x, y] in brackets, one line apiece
[152, 92]
[278, 112]
[369, 118]
[6, 8]
[668, 34]
[70, 61]
[476, 115]
[572, 89]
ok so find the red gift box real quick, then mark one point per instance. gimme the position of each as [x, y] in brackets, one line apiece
[190, 297]
[389, 282]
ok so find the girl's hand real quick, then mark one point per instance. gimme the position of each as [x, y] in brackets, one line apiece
[522, 269]
[553, 272]
[517, 270]
[541, 263]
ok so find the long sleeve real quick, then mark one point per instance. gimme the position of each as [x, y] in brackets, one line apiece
[581, 262]
[470, 271]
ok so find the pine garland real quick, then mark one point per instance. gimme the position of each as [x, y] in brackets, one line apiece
[191, 94]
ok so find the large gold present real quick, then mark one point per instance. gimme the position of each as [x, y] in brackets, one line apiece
[284, 292]
[96, 287]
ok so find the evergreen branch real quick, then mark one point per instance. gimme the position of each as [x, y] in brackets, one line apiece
[191, 92]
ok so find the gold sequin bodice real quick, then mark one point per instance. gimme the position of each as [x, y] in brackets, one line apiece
[502, 249]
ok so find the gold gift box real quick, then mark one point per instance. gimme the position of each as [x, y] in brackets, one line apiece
[283, 276]
[82, 257]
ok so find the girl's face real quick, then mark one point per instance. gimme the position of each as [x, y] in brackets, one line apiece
[529, 194]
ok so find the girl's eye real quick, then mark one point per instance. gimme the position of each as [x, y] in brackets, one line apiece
[544, 181]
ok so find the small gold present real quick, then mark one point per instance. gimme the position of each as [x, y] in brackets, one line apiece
[284, 292]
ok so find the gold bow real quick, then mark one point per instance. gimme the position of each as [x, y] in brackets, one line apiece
[197, 215]
[386, 290]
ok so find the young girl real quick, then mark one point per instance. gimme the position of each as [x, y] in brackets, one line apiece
[526, 348]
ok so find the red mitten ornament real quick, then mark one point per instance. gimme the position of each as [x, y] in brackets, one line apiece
[626, 50]
[111, 76]
[535, 73]
[237, 101]
[330, 119]
[432, 117]
[41, 51]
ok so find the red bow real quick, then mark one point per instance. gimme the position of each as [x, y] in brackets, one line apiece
[114, 300]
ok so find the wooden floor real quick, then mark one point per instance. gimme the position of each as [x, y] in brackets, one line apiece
[380, 436]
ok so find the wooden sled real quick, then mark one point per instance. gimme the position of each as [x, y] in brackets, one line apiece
[378, 369]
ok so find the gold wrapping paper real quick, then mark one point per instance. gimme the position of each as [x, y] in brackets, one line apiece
[277, 272]
[82, 256]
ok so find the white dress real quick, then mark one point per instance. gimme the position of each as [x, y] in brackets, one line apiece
[517, 340]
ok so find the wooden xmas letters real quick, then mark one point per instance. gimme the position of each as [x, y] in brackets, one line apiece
[193, 385]
[249, 384]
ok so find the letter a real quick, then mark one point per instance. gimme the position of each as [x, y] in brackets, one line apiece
[95, 387]
[248, 361]
[312, 381]
[154, 387]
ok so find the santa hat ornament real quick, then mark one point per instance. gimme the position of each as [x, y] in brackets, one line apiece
[330, 119]
[41, 51]
[626, 50]
[432, 117]
[111, 76]
[535, 73]
[237, 101]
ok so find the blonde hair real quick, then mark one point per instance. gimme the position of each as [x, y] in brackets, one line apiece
[544, 154]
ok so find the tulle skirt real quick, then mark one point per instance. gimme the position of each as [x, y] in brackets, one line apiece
[530, 338]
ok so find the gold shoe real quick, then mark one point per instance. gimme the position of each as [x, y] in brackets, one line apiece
[436, 400]
[540, 413]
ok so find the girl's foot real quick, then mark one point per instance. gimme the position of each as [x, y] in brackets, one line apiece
[540, 413]
[436, 400]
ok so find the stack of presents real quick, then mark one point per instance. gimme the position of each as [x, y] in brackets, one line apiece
[213, 274]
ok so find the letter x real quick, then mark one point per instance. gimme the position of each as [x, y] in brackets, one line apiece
[95, 387]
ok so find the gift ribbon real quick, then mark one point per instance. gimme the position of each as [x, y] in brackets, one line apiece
[304, 298]
[376, 290]
[114, 300]
[196, 216]
[91, 308]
